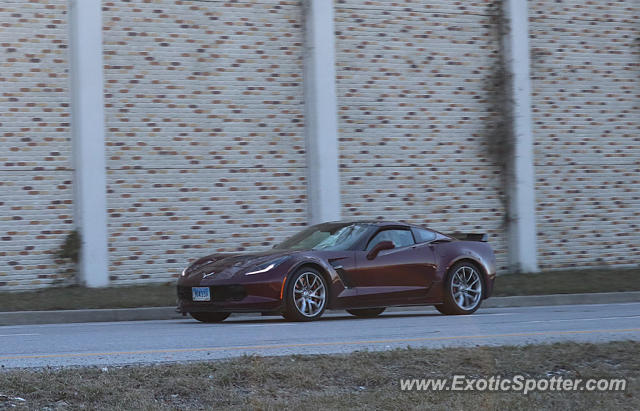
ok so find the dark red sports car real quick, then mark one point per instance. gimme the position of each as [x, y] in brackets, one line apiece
[360, 266]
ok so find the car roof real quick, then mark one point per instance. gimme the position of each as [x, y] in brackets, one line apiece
[378, 223]
[383, 223]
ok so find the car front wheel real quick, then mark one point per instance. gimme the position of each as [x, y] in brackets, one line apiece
[463, 290]
[307, 295]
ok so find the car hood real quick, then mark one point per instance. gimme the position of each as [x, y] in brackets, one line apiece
[226, 265]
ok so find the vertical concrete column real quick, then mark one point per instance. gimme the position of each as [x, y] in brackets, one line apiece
[321, 122]
[521, 179]
[87, 124]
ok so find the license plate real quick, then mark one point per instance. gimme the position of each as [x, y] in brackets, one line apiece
[200, 294]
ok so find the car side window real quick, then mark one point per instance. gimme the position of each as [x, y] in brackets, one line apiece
[399, 238]
[424, 236]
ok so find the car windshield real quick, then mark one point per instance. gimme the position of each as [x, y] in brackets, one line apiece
[328, 236]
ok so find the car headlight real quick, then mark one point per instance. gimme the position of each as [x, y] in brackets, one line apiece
[269, 265]
[184, 272]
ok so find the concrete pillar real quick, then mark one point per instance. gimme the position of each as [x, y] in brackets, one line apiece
[321, 121]
[87, 124]
[521, 179]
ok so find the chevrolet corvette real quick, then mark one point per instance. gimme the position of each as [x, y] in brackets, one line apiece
[362, 267]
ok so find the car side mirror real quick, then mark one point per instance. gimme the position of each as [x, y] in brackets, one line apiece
[382, 245]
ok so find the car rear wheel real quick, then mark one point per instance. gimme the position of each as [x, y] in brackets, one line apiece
[307, 295]
[366, 312]
[463, 290]
[210, 317]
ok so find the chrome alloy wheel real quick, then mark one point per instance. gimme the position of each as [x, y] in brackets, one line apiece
[466, 287]
[309, 294]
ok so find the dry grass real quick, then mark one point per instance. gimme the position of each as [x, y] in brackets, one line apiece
[569, 281]
[73, 298]
[363, 380]
[162, 295]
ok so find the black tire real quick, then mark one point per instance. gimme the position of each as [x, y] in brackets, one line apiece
[441, 309]
[307, 295]
[456, 300]
[366, 312]
[210, 317]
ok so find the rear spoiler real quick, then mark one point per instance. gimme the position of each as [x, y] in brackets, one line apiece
[471, 236]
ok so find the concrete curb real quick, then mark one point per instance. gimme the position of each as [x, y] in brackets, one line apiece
[168, 313]
[86, 316]
[562, 299]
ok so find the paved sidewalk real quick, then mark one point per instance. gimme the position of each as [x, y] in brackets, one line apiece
[166, 313]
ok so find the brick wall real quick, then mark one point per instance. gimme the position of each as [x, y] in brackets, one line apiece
[416, 114]
[205, 130]
[35, 148]
[586, 112]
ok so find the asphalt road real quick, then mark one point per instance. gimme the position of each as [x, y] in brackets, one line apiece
[117, 343]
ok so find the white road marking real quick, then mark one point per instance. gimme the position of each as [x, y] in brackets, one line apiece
[579, 319]
[15, 335]
[262, 325]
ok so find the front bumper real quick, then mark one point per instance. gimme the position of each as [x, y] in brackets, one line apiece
[263, 297]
